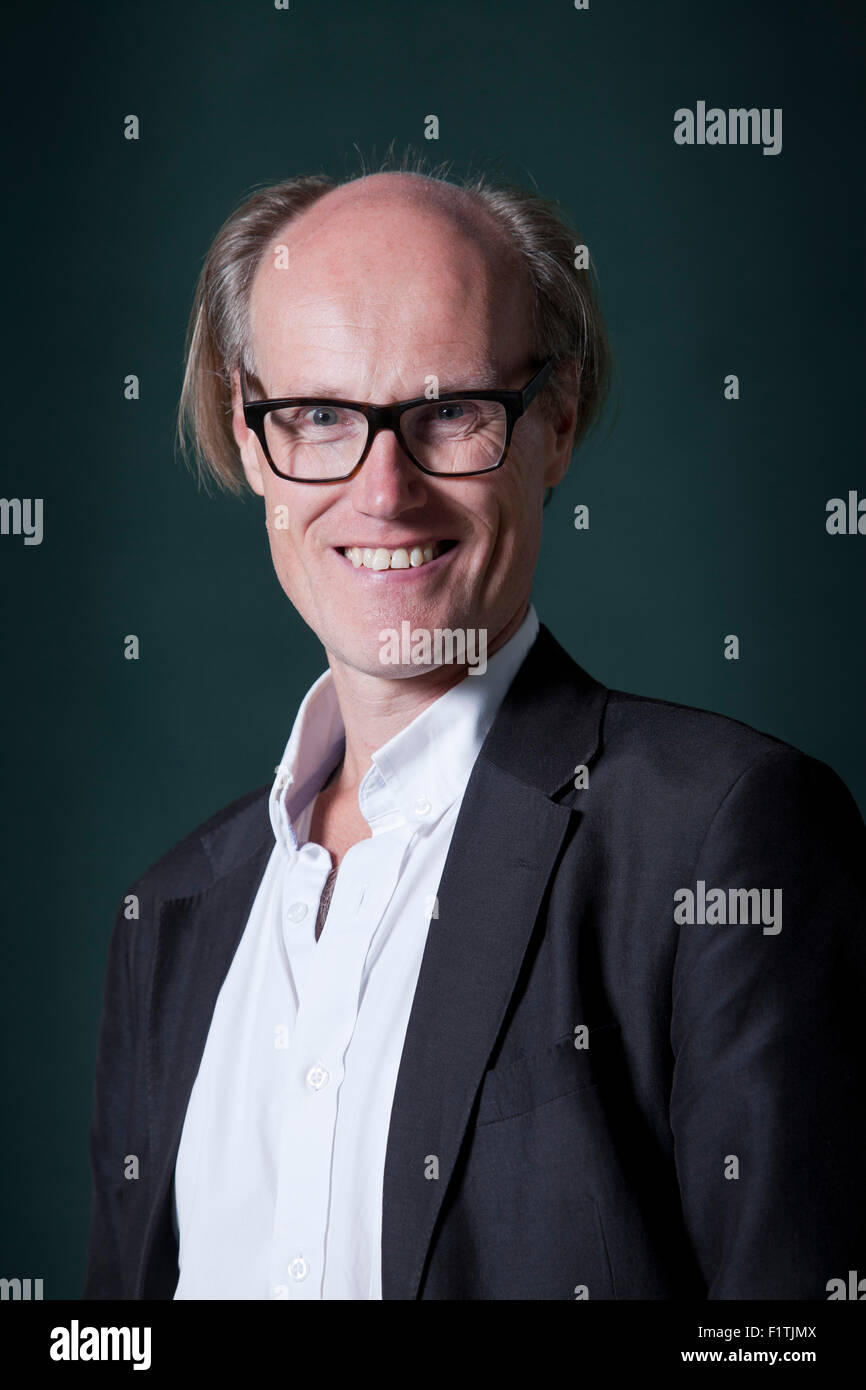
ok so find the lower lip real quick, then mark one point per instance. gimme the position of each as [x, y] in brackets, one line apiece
[406, 576]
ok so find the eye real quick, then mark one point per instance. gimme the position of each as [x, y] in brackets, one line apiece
[322, 415]
[450, 410]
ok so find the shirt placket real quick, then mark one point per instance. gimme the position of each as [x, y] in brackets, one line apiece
[328, 979]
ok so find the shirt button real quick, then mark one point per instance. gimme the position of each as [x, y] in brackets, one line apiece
[299, 1269]
[317, 1077]
[297, 912]
[422, 806]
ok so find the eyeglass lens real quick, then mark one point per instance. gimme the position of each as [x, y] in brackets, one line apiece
[320, 440]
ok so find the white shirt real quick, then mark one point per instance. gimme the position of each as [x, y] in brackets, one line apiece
[279, 1174]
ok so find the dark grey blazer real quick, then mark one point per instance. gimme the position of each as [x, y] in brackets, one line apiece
[708, 1142]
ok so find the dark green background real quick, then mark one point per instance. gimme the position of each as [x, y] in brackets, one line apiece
[707, 517]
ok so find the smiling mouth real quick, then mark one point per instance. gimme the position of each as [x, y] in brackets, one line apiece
[395, 558]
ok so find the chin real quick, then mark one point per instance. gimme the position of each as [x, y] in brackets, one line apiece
[369, 665]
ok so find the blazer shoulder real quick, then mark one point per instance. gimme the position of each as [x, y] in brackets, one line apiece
[683, 743]
[668, 722]
[224, 839]
[558, 715]
[674, 758]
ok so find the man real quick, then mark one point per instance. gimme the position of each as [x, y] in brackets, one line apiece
[510, 986]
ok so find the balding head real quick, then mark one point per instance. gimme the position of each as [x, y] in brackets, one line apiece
[467, 215]
[411, 273]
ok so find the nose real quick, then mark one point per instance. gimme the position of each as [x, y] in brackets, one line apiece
[388, 482]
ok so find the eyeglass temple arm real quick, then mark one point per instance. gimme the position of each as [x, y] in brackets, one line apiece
[535, 385]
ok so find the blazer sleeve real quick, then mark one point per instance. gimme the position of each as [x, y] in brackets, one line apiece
[767, 1030]
[107, 1274]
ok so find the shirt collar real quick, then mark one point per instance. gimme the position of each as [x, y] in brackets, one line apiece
[419, 772]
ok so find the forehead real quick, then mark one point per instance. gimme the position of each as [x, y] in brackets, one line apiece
[385, 277]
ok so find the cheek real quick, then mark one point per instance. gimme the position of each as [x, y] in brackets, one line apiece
[520, 507]
[528, 493]
[278, 523]
[519, 525]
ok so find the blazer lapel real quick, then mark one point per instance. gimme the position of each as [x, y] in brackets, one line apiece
[196, 938]
[503, 852]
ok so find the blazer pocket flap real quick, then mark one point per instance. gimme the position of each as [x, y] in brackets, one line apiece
[557, 1070]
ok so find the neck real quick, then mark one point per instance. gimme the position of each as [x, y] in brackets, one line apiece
[374, 709]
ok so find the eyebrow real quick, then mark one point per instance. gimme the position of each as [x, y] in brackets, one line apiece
[485, 379]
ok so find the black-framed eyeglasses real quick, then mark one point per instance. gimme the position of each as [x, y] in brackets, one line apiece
[308, 439]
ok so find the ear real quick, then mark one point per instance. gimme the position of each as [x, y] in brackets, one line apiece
[248, 446]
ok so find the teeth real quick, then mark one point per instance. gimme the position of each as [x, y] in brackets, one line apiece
[382, 559]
